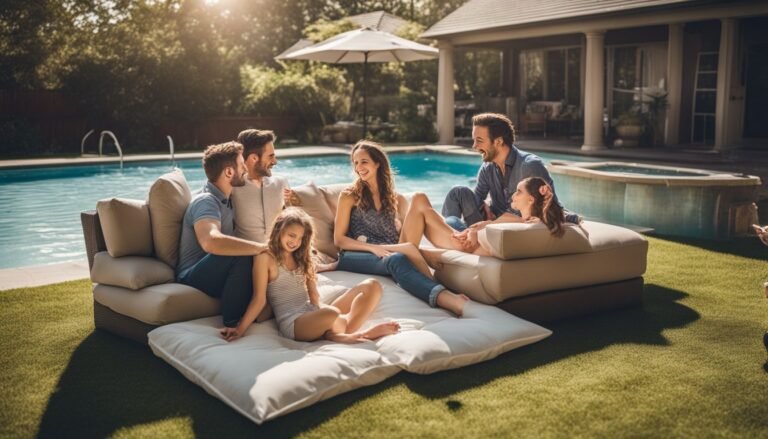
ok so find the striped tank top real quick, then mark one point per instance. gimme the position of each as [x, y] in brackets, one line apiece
[287, 294]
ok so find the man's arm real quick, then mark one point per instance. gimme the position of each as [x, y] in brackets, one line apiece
[483, 184]
[213, 241]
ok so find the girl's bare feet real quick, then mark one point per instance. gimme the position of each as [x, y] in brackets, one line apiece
[344, 338]
[452, 302]
[380, 330]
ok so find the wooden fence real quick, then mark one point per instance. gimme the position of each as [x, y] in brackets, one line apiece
[59, 125]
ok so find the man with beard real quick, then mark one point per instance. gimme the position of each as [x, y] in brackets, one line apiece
[504, 166]
[258, 202]
[211, 258]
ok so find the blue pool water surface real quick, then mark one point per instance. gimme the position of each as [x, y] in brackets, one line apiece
[40, 207]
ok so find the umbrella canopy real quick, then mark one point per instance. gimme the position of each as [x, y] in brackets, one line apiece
[354, 46]
[363, 46]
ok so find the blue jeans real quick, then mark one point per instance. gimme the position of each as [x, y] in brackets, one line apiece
[227, 278]
[461, 202]
[399, 267]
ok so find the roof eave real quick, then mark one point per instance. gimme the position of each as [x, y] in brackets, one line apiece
[447, 35]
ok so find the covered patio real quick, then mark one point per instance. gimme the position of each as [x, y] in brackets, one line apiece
[685, 74]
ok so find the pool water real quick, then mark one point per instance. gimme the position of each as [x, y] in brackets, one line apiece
[40, 213]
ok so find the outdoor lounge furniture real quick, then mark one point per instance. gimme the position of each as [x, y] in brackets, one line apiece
[538, 277]
[135, 292]
[264, 375]
[133, 244]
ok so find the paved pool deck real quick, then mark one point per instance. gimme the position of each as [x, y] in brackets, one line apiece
[754, 162]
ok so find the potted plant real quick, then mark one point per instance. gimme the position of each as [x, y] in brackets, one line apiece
[629, 128]
[655, 103]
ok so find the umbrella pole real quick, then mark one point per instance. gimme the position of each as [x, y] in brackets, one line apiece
[365, 95]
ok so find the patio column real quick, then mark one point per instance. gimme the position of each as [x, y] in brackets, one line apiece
[674, 83]
[725, 127]
[445, 109]
[594, 91]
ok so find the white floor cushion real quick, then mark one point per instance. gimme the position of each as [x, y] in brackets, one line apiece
[264, 375]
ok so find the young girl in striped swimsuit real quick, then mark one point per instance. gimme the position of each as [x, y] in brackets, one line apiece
[287, 273]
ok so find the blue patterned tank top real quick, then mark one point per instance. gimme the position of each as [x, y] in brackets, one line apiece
[377, 227]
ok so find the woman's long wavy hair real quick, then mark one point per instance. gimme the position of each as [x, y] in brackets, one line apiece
[303, 254]
[360, 190]
[544, 205]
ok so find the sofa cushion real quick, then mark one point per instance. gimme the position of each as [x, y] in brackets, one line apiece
[617, 254]
[331, 194]
[168, 198]
[133, 272]
[313, 200]
[523, 240]
[126, 227]
[263, 375]
[157, 304]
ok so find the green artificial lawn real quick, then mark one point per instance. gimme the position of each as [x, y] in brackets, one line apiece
[689, 362]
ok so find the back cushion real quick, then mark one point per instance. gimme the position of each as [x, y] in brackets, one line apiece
[168, 198]
[522, 240]
[331, 194]
[126, 227]
[313, 200]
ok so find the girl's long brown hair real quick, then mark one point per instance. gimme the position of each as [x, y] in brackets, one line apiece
[303, 254]
[360, 190]
[544, 205]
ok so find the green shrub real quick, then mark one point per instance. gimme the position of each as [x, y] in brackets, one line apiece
[314, 94]
[411, 126]
[19, 137]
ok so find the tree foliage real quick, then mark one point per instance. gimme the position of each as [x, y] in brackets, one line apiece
[314, 95]
[134, 63]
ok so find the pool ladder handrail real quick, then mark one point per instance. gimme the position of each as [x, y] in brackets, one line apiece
[170, 147]
[82, 142]
[117, 144]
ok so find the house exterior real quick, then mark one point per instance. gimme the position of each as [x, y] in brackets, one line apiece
[697, 69]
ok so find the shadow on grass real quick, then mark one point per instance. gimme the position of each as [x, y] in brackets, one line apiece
[111, 383]
[749, 247]
[641, 325]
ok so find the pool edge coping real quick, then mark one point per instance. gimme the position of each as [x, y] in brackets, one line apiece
[291, 152]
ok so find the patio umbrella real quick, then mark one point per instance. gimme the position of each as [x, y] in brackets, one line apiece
[363, 46]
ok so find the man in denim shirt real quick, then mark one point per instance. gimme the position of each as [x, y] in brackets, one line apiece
[504, 166]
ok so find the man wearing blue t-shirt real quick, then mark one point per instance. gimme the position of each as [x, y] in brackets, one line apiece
[504, 166]
[211, 259]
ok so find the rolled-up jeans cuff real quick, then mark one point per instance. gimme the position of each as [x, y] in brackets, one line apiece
[433, 295]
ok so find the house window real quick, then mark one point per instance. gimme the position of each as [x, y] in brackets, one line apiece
[634, 71]
[533, 70]
[552, 75]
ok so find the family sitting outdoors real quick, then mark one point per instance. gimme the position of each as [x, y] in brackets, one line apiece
[242, 243]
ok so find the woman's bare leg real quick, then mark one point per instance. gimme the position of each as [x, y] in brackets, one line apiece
[413, 254]
[433, 256]
[423, 220]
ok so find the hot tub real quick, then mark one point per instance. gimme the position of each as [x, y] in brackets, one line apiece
[672, 201]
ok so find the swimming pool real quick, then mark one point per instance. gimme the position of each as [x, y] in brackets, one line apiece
[672, 201]
[40, 220]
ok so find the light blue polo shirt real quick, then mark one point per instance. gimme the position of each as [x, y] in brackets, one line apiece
[211, 203]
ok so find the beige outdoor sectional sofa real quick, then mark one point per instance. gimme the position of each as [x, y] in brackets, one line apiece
[132, 246]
